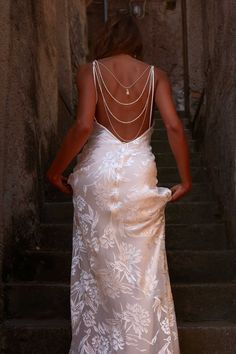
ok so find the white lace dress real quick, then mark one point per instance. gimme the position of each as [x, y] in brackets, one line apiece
[121, 299]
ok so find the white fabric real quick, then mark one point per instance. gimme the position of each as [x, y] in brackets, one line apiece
[121, 299]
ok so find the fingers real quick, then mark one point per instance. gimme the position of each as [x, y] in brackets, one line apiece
[176, 196]
[64, 187]
[67, 185]
[60, 182]
[178, 191]
[63, 178]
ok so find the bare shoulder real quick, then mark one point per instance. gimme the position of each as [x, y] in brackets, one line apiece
[162, 81]
[161, 75]
[84, 73]
[84, 69]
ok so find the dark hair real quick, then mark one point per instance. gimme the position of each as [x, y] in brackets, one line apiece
[120, 34]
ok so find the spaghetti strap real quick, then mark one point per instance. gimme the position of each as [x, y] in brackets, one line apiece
[152, 94]
[94, 80]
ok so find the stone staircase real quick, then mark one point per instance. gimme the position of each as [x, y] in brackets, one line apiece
[201, 266]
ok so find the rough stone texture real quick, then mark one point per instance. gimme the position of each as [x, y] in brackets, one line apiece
[162, 36]
[37, 97]
[215, 122]
[78, 34]
[4, 45]
[195, 53]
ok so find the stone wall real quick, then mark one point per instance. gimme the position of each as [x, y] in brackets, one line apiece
[215, 123]
[195, 53]
[37, 100]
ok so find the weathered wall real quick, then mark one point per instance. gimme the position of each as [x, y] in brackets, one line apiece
[162, 36]
[195, 53]
[162, 33]
[37, 96]
[216, 121]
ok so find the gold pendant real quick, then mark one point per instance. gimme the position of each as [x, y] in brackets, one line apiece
[127, 92]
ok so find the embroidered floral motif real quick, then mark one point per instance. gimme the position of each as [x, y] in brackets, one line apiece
[116, 339]
[107, 239]
[121, 299]
[137, 318]
[100, 344]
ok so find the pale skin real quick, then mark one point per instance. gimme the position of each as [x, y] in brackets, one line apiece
[81, 129]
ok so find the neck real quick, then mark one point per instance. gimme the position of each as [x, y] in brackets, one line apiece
[125, 55]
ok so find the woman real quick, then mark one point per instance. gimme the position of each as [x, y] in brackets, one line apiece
[121, 299]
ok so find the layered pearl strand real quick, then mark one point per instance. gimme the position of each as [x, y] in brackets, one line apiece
[127, 88]
[114, 98]
[101, 82]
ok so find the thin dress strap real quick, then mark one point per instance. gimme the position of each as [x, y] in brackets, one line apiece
[94, 80]
[152, 94]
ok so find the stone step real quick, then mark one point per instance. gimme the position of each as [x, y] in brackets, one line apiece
[171, 174]
[196, 237]
[46, 336]
[203, 302]
[58, 237]
[176, 212]
[164, 146]
[196, 194]
[53, 237]
[33, 336]
[193, 302]
[37, 300]
[192, 212]
[184, 266]
[181, 113]
[193, 197]
[167, 159]
[201, 265]
[200, 192]
[209, 337]
[159, 124]
[161, 134]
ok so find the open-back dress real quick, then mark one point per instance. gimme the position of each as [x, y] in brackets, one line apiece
[120, 294]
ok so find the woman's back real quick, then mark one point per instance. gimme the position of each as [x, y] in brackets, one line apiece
[125, 90]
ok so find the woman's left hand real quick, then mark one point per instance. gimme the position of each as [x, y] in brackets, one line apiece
[60, 182]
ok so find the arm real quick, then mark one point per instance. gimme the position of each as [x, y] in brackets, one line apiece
[80, 130]
[175, 132]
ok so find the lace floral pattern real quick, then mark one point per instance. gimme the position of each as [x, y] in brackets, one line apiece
[121, 299]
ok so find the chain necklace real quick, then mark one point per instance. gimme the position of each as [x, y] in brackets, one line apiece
[124, 86]
[97, 68]
[98, 77]
[121, 138]
[109, 110]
